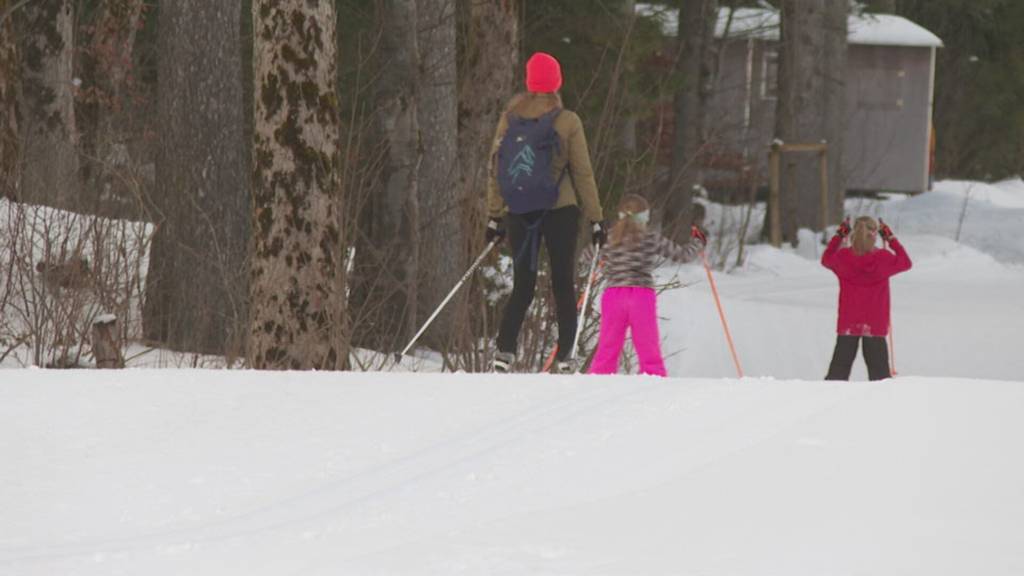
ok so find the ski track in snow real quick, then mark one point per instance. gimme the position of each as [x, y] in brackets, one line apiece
[360, 488]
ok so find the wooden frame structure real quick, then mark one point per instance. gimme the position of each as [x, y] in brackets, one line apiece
[777, 149]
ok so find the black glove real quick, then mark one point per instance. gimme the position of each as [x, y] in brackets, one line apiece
[844, 228]
[495, 230]
[598, 234]
[696, 232]
[884, 231]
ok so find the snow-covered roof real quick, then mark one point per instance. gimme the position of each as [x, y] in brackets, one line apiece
[763, 24]
[889, 30]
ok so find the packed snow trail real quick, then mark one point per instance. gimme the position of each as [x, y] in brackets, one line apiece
[232, 472]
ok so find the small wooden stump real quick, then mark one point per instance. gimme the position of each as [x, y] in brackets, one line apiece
[105, 347]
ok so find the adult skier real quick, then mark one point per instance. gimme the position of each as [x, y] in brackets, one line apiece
[540, 178]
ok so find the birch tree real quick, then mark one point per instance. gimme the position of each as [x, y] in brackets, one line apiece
[297, 318]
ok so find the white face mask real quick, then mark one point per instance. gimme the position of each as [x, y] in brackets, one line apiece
[639, 217]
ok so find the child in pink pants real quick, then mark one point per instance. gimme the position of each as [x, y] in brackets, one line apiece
[630, 301]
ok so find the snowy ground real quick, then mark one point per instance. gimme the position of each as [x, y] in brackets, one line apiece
[959, 311]
[228, 472]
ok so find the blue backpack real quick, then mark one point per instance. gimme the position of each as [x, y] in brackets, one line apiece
[525, 156]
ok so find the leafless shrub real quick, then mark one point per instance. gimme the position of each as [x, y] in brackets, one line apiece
[60, 271]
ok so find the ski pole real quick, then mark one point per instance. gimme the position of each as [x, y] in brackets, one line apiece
[892, 348]
[476, 264]
[586, 298]
[579, 306]
[721, 314]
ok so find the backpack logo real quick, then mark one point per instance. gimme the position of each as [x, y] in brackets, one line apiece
[522, 163]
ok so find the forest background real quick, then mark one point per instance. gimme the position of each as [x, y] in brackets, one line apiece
[311, 174]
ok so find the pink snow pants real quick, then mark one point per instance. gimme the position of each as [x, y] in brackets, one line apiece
[631, 307]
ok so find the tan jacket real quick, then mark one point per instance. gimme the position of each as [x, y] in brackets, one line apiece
[578, 187]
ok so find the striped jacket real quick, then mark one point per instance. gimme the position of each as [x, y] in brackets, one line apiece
[633, 264]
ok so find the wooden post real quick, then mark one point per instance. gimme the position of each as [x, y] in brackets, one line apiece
[105, 348]
[824, 188]
[774, 218]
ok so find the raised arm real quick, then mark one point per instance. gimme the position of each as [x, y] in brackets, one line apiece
[830, 258]
[901, 260]
[679, 253]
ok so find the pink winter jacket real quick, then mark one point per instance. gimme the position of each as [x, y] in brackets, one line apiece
[864, 286]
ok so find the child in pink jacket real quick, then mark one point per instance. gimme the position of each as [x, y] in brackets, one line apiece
[863, 270]
[629, 301]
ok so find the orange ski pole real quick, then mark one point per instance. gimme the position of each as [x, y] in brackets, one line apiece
[721, 314]
[892, 348]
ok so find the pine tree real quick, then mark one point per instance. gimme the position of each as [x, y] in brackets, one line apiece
[196, 294]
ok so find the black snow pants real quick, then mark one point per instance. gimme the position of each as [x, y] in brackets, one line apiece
[557, 229]
[876, 356]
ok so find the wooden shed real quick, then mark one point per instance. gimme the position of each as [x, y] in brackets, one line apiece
[890, 79]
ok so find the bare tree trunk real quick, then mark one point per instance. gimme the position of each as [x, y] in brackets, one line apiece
[50, 174]
[389, 259]
[9, 135]
[695, 34]
[490, 61]
[441, 226]
[297, 318]
[627, 126]
[196, 293]
[110, 57]
[836, 31]
[811, 98]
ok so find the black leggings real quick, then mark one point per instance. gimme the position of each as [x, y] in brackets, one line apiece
[558, 230]
[876, 356]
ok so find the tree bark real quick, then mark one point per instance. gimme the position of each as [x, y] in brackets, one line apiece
[49, 134]
[298, 308]
[110, 59]
[810, 106]
[836, 37]
[441, 225]
[196, 293]
[488, 81]
[389, 256]
[695, 34]
[490, 59]
[9, 136]
[627, 126]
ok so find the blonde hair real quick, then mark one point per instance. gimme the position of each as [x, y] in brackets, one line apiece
[864, 233]
[627, 229]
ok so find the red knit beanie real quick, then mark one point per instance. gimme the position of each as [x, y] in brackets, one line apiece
[543, 74]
